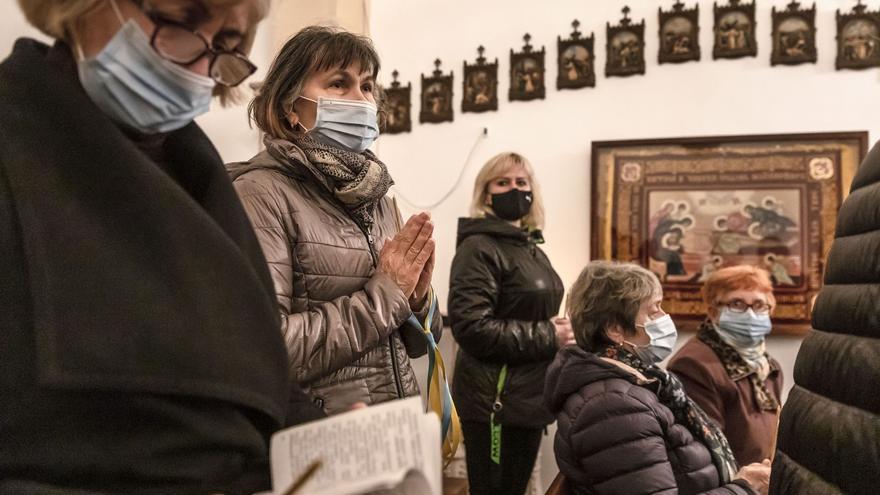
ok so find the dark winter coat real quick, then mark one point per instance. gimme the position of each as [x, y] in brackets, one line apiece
[615, 437]
[139, 343]
[730, 399]
[502, 293]
[829, 432]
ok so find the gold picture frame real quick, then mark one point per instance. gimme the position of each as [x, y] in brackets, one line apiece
[685, 207]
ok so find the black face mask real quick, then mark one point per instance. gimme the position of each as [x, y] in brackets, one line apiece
[512, 205]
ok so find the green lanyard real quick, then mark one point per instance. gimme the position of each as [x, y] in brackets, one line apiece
[495, 429]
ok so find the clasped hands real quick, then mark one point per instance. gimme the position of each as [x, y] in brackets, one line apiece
[408, 258]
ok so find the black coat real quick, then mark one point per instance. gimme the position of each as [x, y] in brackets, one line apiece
[502, 293]
[829, 432]
[614, 435]
[139, 341]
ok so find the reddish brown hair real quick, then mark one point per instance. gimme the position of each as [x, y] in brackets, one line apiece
[739, 277]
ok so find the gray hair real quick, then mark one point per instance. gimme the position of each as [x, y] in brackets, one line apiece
[605, 294]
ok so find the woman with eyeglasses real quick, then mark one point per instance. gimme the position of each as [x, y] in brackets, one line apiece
[625, 425]
[139, 345]
[347, 281]
[726, 368]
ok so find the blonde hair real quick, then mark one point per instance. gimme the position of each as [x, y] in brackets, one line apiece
[56, 19]
[497, 166]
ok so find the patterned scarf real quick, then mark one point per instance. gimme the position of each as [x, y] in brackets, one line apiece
[671, 393]
[358, 180]
[736, 367]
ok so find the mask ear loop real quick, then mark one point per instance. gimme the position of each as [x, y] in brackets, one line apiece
[118, 12]
[299, 122]
[79, 51]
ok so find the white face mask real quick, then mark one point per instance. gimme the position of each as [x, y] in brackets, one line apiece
[746, 329]
[135, 86]
[663, 336]
[347, 124]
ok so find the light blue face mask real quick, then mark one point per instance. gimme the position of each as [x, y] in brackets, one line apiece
[663, 336]
[136, 87]
[347, 124]
[745, 329]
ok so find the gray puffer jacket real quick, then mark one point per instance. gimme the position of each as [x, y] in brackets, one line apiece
[344, 323]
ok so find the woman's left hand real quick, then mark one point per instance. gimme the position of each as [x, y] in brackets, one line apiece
[564, 332]
[757, 475]
[420, 294]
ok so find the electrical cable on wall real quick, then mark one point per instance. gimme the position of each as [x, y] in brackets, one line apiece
[483, 133]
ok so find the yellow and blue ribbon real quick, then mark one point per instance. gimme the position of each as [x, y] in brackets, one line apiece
[439, 398]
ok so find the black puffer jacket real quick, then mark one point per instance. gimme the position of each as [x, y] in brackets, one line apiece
[829, 433]
[615, 437]
[502, 293]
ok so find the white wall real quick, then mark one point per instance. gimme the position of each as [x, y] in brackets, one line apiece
[14, 26]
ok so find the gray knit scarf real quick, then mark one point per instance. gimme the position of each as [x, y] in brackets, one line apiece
[358, 180]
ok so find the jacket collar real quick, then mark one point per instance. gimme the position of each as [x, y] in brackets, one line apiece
[285, 157]
[573, 368]
[494, 227]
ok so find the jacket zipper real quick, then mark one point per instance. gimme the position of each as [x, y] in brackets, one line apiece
[395, 366]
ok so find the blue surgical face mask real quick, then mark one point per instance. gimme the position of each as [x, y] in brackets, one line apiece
[745, 329]
[663, 336]
[136, 87]
[347, 124]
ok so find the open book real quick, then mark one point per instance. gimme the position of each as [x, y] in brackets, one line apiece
[391, 448]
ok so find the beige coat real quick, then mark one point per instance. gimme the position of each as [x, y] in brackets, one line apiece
[343, 322]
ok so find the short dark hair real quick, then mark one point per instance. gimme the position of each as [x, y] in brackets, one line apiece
[608, 293]
[314, 49]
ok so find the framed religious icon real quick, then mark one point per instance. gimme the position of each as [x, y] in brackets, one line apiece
[735, 30]
[480, 85]
[527, 73]
[397, 107]
[794, 35]
[625, 47]
[575, 65]
[436, 96]
[679, 34]
[685, 207]
[858, 38]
